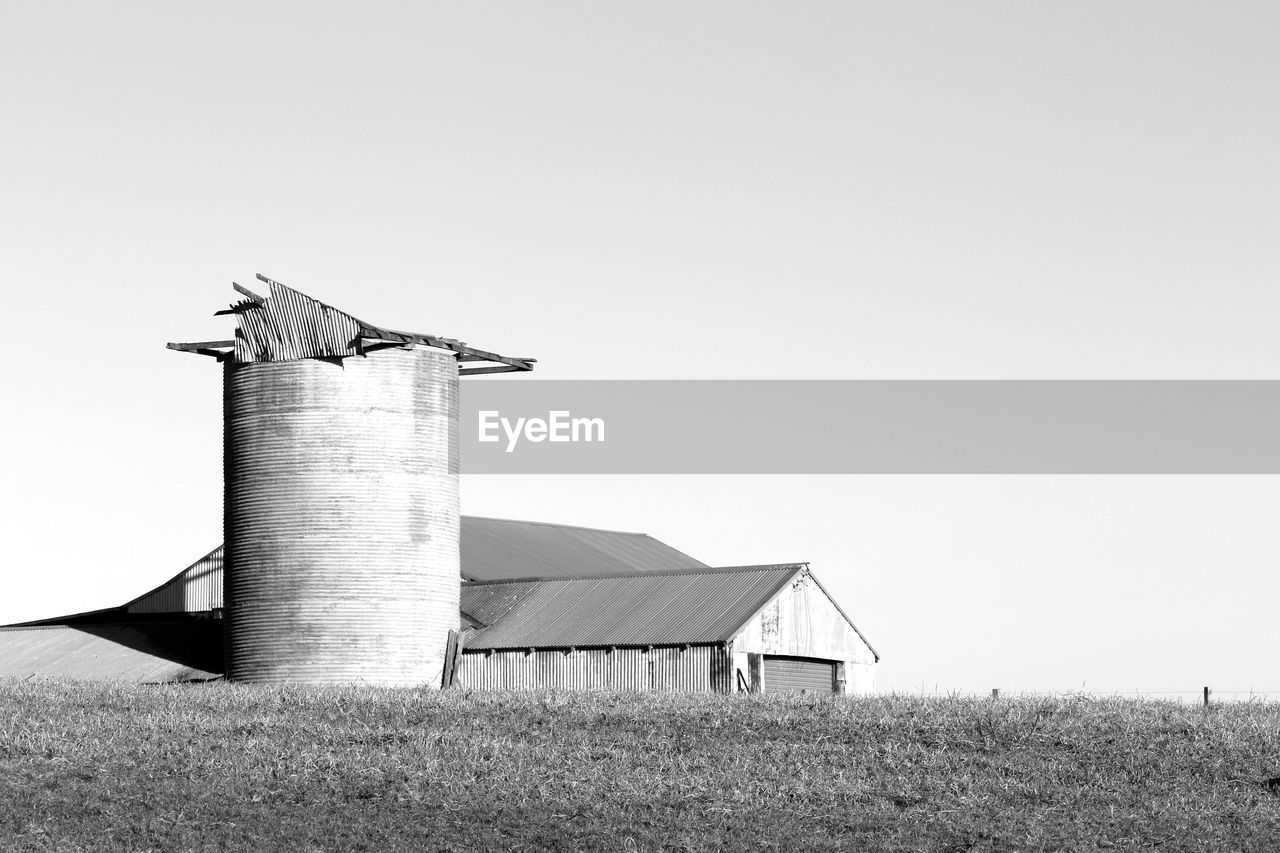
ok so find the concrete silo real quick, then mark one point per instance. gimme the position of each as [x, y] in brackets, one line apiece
[341, 511]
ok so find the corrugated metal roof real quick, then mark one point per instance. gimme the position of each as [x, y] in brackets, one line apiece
[501, 549]
[492, 549]
[196, 588]
[145, 652]
[698, 607]
[668, 608]
[291, 325]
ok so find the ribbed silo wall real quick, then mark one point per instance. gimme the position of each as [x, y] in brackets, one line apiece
[341, 518]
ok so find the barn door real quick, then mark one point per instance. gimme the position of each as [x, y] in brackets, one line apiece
[784, 674]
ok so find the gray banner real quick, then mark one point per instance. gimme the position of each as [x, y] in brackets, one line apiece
[811, 427]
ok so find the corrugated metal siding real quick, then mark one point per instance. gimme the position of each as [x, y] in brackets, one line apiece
[691, 670]
[785, 674]
[291, 325]
[342, 518]
[662, 609]
[147, 652]
[197, 588]
[722, 672]
[497, 549]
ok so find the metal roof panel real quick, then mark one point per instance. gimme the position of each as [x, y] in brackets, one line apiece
[495, 548]
[639, 609]
[145, 652]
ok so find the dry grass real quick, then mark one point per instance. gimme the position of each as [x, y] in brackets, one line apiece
[222, 767]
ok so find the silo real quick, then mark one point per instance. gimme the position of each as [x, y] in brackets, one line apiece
[341, 513]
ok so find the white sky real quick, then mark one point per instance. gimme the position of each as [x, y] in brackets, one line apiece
[663, 190]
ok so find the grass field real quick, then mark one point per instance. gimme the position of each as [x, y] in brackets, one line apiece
[223, 767]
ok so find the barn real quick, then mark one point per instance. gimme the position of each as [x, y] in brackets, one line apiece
[743, 629]
[315, 400]
[543, 606]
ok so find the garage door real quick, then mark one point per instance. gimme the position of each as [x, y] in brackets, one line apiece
[792, 675]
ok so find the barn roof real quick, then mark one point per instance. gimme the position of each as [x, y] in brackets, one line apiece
[562, 586]
[148, 652]
[669, 608]
[698, 606]
[492, 548]
[496, 548]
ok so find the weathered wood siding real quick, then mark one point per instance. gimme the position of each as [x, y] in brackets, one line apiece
[697, 669]
[802, 621]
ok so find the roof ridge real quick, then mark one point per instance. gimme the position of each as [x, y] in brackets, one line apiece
[558, 524]
[714, 570]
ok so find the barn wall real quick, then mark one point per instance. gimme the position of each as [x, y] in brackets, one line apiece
[801, 620]
[859, 677]
[698, 669]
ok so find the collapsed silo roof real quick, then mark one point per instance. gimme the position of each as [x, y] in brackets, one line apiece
[290, 325]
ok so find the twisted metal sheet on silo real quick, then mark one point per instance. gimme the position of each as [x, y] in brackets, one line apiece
[341, 517]
[291, 325]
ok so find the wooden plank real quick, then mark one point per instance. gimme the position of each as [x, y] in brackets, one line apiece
[471, 353]
[475, 371]
[518, 363]
[206, 348]
[262, 278]
[457, 655]
[450, 661]
[199, 345]
[365, 349]
[240, 288]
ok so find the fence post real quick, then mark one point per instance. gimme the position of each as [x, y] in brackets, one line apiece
[995, 692]
[1206, 696]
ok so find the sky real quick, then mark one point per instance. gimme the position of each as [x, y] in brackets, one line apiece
[664, 190]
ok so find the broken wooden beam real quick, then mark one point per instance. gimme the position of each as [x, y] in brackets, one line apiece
[241, 289]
